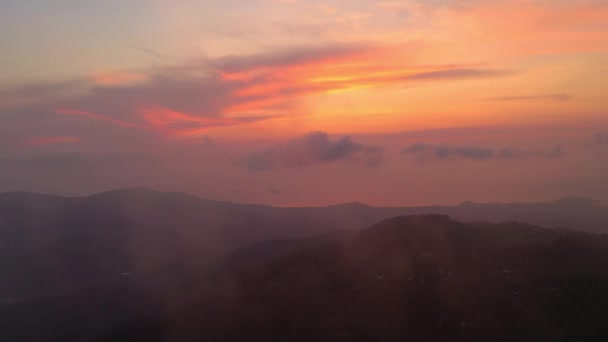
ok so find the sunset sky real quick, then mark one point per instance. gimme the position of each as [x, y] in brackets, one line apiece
[294, 102]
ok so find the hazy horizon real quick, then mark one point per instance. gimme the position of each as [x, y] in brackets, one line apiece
[595, 201]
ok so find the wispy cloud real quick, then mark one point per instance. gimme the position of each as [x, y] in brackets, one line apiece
[150, 52]
[283, 76]
[545, 97]
[275, 191]
[22, 94]
[294, 57]
[117, 78]
[182, 124]
[457, 74]
[96, 116]
[556, 151]
[190, 98]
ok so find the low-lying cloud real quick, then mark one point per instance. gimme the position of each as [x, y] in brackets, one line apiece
[315, 148]
[600, 139]
[427, 152]
[78, 160]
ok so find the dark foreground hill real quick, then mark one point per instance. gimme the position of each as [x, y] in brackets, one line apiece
[75, 268]
[415, 278]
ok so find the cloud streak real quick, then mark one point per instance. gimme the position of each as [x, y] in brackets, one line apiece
[428, 152]
[546, 97]
[189, 99]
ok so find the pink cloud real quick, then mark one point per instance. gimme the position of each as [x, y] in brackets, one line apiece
[174, 123]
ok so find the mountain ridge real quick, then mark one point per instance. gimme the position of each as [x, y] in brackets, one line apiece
[150, 191]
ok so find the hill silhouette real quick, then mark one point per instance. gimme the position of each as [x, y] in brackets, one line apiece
[409, 278]
[75, 268]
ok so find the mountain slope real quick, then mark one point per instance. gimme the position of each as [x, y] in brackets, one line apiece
[152, 247]
[411, 278]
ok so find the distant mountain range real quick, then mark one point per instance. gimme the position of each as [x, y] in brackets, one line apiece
[126, 262]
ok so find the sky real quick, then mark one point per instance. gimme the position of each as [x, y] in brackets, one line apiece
[307, 103]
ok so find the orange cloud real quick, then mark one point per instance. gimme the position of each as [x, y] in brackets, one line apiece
[264, 87]
[256, 87]
[42, 141]
[167, 121]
